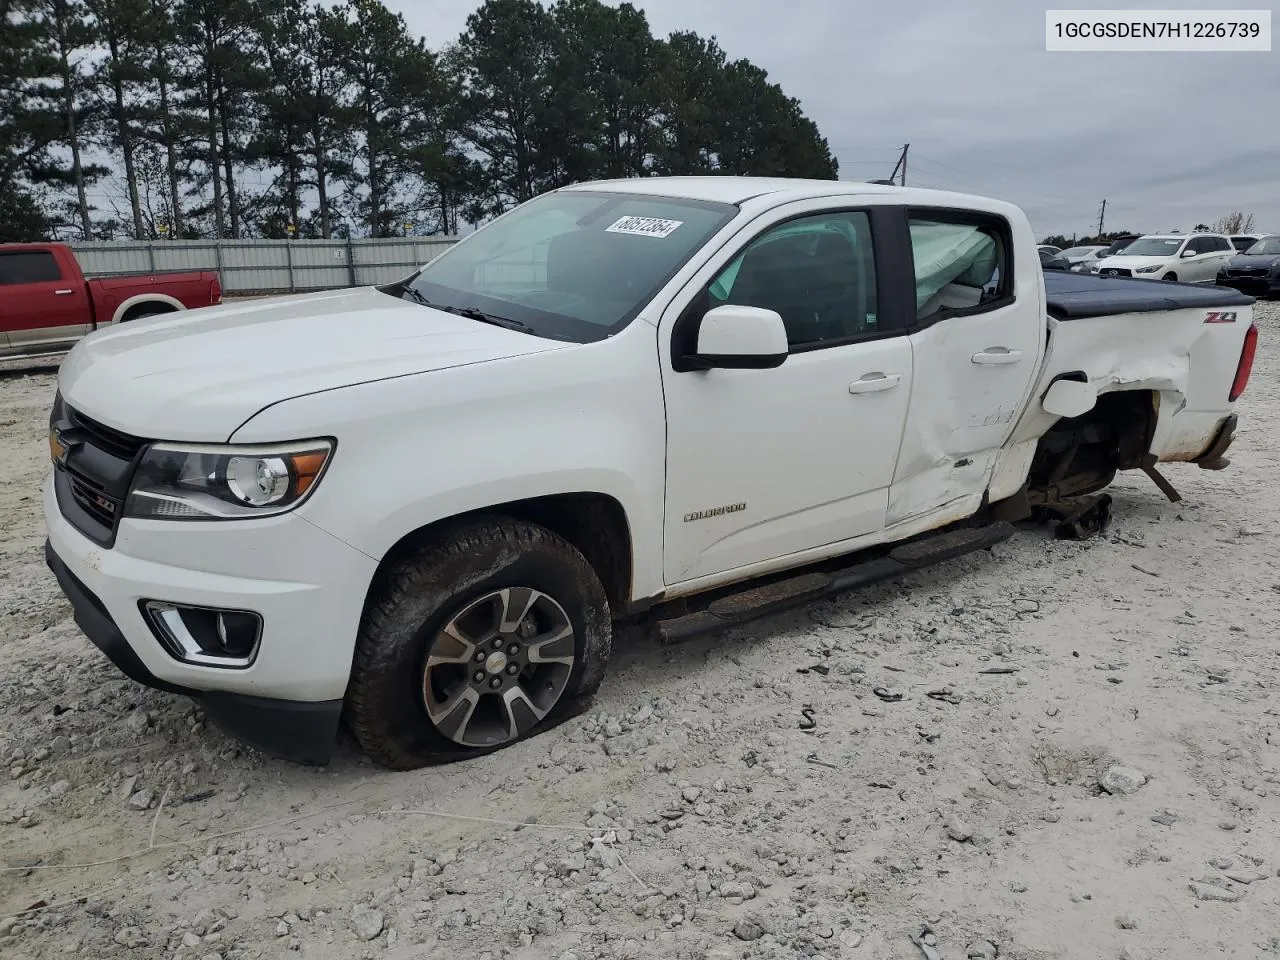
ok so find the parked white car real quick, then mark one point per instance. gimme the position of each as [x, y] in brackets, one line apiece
[1189, 258]
[1243, 241]
[422, 506]
[1082, 257]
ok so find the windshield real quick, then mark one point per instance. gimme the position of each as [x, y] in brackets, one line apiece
[1267, 246]
[1153, 247]
[1077, 252]
[572, 265]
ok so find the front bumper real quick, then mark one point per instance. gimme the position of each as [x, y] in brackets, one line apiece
[1252, 286]
[299, 731]
[308, 587]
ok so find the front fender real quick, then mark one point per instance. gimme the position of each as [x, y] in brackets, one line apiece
[414, 450]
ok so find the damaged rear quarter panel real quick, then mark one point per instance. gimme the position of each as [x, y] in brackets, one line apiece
[1187, 364]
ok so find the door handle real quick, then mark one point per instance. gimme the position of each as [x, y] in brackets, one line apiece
[994, 355]
[875, 382]
[63, 293]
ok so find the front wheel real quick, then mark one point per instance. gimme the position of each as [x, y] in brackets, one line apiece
[475, 642]
[1170, 276]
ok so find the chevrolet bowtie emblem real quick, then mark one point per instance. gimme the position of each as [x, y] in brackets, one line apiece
[57, 448]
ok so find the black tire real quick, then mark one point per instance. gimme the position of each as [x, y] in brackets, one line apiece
[413, 601]
[1170, 276]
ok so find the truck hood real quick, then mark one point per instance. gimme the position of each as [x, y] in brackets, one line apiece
[198, 375]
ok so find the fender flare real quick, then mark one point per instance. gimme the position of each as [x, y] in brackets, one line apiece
[141, 298]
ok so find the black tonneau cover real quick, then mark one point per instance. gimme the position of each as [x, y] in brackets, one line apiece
[1072, 296]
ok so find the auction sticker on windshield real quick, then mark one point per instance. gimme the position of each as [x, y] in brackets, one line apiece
[644, 226]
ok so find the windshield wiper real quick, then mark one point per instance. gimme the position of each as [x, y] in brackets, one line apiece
[475, 313]
[416, 296]
[471, 313]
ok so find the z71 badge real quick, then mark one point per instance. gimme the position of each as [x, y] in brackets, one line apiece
[1220, 317]
[714, 512]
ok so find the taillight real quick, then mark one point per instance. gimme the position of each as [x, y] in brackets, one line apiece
[215, 290]
[1245, 366]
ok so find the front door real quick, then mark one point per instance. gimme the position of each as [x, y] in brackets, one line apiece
[37, 304]
[763, 464]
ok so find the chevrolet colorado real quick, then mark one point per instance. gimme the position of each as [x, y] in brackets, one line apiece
[683, 401]
[46, 304]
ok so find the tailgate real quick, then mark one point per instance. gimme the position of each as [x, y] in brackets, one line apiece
[1183, 344]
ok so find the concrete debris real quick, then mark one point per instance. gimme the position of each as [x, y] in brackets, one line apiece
[1120, 781]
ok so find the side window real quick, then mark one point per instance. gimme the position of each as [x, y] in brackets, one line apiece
[36, 266]
[818, 273]
[959, 264]
[1221, 243]
[1200, 245]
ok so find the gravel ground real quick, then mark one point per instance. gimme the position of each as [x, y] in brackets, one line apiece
[1070, 754]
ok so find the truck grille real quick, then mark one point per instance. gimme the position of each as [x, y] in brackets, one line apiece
[91, 480]
[1116, 272]
[105, 438]
[94, 501]
[1247, 272]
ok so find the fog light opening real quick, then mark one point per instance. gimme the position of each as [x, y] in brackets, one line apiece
[205, 636]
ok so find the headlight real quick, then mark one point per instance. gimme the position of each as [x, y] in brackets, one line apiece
[179, 481]
[1154, 269]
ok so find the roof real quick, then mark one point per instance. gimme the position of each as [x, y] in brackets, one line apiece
[1180, 236]
[731, 189]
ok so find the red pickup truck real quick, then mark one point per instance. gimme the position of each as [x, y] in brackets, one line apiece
[46, 304]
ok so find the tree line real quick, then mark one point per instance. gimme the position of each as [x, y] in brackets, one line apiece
[280, 118]
[1235, 222]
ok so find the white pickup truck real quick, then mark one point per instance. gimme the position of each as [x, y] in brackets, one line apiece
[680, 401]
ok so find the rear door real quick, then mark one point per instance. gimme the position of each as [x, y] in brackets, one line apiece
[977, 337]
[40, 306]
[1222, 251]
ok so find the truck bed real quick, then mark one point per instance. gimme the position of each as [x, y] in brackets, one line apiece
[1073, 296]
[1179, 342]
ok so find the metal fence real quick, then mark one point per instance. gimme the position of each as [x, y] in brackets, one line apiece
[267, 266]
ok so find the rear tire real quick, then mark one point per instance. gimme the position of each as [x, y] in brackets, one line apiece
[1170, 276]
[474, 642]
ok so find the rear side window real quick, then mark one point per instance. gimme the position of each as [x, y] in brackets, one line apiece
[35, 266]
[961, 264]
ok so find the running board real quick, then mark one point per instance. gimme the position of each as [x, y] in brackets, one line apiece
[770, 598]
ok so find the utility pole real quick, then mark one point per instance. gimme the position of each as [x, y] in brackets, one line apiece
[901, 165]
[1101, 214]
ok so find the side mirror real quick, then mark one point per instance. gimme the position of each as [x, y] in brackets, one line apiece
[1069, 398]
[734, 337]
[1188, 253]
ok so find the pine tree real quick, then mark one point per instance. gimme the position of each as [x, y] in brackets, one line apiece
[122, 27]
[505, 55]
[390, 75]
[26, 126]
[67, 36]
[219, 41]
[605, 62]
[169, 127]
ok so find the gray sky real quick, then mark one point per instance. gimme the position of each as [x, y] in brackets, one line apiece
[1169, 139]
